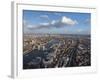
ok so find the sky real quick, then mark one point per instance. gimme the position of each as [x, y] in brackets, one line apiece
[56, 22]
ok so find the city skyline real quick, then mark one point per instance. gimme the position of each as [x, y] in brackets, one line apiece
[56, 22]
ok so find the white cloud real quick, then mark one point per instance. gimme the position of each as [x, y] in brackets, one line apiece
[62, 22]
[58, 14]
[80, 30]
[44, 24]
[68, 21]
[31, 26]
[87, 21]
[44, 16]
[53, 22]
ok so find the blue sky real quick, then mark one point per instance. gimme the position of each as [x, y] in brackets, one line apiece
[56, 22]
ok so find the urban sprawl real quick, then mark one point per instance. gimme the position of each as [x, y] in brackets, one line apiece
[56, 50]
